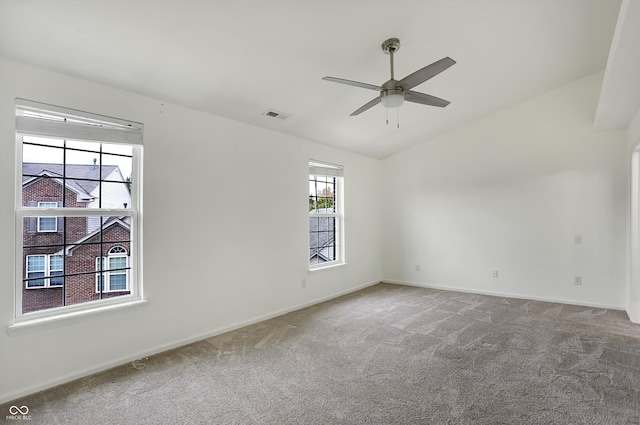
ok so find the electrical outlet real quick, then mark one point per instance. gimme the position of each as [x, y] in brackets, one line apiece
[417, 267]
[304, 283]
[494, 274]
[577, 239]
[577, 280]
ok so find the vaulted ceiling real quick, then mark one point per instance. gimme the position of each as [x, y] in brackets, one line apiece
[238, 59]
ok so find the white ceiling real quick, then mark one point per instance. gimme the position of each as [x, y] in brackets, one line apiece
[239, 58]
[620, 96]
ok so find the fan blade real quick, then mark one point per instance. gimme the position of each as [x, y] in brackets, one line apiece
[352, 83]
[425, 99]
[422, 75]
[366, 106]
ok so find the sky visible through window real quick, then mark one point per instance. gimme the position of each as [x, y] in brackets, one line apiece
[46, 155]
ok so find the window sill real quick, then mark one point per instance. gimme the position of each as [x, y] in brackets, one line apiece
[327, 267]
[40, 323]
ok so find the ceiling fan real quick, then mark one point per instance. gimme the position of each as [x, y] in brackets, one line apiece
[393, 93]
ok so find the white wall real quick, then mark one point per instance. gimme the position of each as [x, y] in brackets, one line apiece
[633, 288]
[509, 193]
[225, 231]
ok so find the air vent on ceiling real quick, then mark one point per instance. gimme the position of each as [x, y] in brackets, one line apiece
[276, 114]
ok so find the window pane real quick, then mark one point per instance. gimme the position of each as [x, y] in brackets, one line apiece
[47, 224]
[83, 166]
[117, 263]
[36, 263]
[119, 155]
[77, 149]
[322, 194]
[313, 232]
[84, 242]
[40, 169]
[115, 195]
[117, 250]
[47, 204]
[55, 263]
[116, 230]
[101, 265]
[99, 280]
[37, 282]
[56, 281]
[55, 269]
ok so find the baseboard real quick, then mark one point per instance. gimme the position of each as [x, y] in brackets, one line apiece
[634, 314]
[176, 344]
[504, 294]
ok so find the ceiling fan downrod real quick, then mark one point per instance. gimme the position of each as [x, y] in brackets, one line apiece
[391, 95]
[391, 46]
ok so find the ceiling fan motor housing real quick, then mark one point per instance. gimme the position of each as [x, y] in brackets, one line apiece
[391, 45]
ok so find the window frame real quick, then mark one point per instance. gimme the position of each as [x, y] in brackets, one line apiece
[335, 171]
[129, 133]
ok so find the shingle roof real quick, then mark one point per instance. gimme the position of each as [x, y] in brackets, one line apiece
[76, 174]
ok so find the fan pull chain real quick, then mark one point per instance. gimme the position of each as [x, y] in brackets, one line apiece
[387, 111]
[398, 118]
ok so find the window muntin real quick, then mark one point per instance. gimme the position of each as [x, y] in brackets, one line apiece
[325, 214]
[88, 183]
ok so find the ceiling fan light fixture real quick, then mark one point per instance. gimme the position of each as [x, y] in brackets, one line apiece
[392, 100]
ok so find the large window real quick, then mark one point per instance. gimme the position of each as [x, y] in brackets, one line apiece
[326, 245]
[78, 202]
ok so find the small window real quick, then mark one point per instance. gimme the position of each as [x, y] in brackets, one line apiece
[47, 224]
[113, 271]
[45, 267]
[325, 214]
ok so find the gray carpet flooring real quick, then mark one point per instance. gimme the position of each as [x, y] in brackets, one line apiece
[388, 354]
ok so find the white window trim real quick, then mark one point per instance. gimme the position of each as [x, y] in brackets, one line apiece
[47, 272]
[127, 133]
[320, 168]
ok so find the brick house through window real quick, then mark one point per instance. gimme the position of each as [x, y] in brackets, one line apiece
[71, 260]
